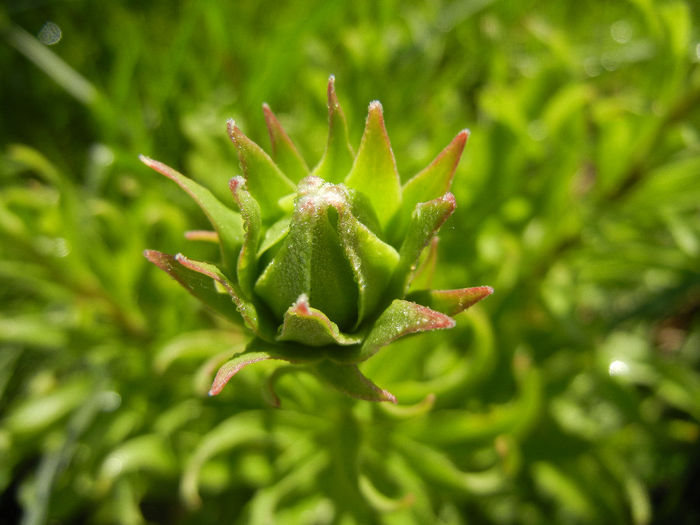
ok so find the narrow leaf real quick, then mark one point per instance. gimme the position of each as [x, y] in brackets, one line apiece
[260, 350]
[400, 319]
[348, 379]
[338, 157]
[284, 153]
[451, 302]
[438, 469]
[312, 327]
[250, 212]
[227, 222]
[202, 287]
[374, 171]
[238, 430]
[202, 235]
[430, 183]
[435, 180]
[232, 367]
[426, 220]
[266, 183]
[256, 323]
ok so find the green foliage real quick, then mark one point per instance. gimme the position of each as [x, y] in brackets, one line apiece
[571, 395]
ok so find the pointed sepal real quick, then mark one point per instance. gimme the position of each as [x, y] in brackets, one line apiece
[435, 180]
[200, 286]
[284, 152]
[266, 183]
[312, 327]
[432, 182]
[348, 379]
[228, 223]
[451, 302]
[374, 172]
[399, 319]
[252, 224]
[258, 324]
[338, 157]
[426, 220]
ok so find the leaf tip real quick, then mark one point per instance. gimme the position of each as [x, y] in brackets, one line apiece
[156, 257]
[232, 129]
[331, 89]
[236, 183]
[375, 108]
[388, 396]
[301, 305]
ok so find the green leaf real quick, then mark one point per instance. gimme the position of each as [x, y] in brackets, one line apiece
[437, 468]
[260, 350]
[426, 220]
[348, 379]
[312, 327]
[247, 258]
[149, 452]
[451, 302]
[233, 366]
[238, 430]
[372, 262]
[266, 183]
[399, 319]
[374, 172]
[284, 153]
[200, 286]
[258, 324]
[227, 222]
[311, 260]
[430, 183]
[202, 235]
[338, 157]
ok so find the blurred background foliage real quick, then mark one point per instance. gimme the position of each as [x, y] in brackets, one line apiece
[572, 395]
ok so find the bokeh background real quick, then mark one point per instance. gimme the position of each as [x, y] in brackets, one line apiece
[572, 395]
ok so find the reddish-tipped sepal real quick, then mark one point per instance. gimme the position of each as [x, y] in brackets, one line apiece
[451, 302]
[399, 319]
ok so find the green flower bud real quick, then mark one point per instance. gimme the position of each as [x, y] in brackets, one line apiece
[317, 265]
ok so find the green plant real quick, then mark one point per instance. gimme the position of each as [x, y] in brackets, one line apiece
[322, 266]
